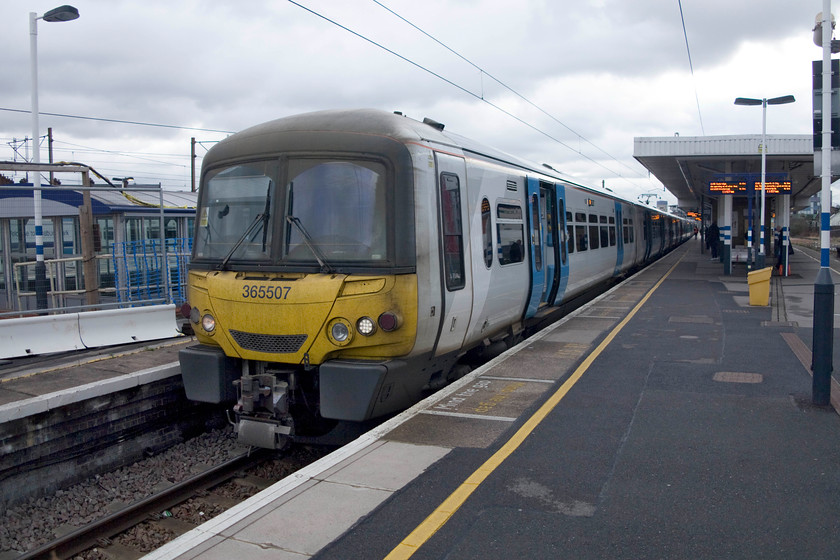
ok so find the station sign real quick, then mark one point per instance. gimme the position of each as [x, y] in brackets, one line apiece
[747, 184]
[774, 187]
[727, 187]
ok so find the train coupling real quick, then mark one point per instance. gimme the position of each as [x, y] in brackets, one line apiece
[261, 433]
[262, 411]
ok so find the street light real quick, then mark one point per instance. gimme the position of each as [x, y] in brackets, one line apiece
[822, 347]
[62, 13]
[764, 102]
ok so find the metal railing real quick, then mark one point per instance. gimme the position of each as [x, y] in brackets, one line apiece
[59, 298]
[134, 273]
[137, 277]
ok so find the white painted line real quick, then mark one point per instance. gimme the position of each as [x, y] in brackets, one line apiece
[473, 416]
[525, 379]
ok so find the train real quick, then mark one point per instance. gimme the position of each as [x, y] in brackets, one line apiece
[347, 263]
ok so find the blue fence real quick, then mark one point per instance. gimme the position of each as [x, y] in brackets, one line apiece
[139, 269]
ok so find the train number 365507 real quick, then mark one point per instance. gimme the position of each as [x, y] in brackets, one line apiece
[253, 291]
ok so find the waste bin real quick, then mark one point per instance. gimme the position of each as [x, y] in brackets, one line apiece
[759, 281]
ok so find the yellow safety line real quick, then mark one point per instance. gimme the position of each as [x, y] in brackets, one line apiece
[453, 503]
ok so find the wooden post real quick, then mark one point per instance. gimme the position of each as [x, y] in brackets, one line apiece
[88, 245]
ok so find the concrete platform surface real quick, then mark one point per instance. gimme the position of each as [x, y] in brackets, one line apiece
[666, 419]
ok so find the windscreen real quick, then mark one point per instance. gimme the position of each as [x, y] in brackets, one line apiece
[234, 218]
[336, 208]
[324, 212]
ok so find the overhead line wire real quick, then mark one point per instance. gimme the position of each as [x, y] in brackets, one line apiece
[118, 152]
[118, 121]
[691, 67]
[504, 85]
[450, 82]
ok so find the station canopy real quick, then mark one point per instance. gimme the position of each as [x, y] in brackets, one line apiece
[16, 201]
[688, 165]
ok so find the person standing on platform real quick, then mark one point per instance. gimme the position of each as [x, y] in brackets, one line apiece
[713, 238]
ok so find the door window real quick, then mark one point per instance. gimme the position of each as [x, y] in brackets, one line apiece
[453, 237]
[536, 240]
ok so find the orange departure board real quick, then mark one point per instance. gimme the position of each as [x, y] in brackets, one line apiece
[774, 187]
[727, 187]
[740, 187]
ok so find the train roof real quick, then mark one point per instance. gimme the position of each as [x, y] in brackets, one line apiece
[368, 122]
[284, 133]
[281, 134]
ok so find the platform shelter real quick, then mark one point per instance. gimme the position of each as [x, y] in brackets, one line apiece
[719, 177]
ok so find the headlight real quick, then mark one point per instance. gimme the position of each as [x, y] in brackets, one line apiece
[208, 323]
[340, 332]
[366, 326]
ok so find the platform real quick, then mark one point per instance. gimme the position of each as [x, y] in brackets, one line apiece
[32, 383]
[666, 419]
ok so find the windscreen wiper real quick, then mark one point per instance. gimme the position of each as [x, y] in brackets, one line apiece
[307, 240]
[261, 218]
[266, 215]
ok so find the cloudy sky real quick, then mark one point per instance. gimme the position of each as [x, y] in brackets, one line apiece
[585, 76]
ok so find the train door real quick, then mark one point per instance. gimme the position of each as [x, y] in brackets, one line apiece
[544, 243]
[456, 280]
[648, 235]
[559, 238]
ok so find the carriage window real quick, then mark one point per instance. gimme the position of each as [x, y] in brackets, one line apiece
[594, 233]
[570, 237]
[612, 231]
[604, 230]
[509, 212]
[510, 243]
[453, 239]
[581, 237]
[511, 234]
[535, 232]
[486, 233]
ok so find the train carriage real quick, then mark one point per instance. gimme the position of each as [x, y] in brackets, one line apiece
[347, 263]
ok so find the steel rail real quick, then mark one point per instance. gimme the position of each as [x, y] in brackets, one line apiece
[91, 534]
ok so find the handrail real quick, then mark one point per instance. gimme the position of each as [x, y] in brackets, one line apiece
[174, 259]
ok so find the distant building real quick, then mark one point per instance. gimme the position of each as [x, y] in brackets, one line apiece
[124, 221]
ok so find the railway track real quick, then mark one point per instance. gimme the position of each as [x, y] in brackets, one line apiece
[125, 534]
[100, 531]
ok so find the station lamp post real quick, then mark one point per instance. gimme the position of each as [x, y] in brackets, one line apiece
[764, 102]
[822, 347]
[62, 13]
